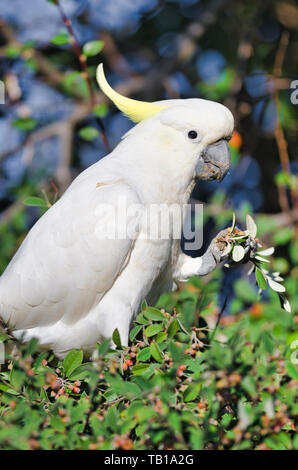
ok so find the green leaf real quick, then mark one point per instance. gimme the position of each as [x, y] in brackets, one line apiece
[61, 39]
[139, 369]
[25, 124]
[6, 389]
[176, 353]
[261, 280]
[134, 332]
[35, 201]
[92, 48]
[153, 314]
[173, 328]
[128, 389]
[292, 370]
[144, 354]
[17, 377]
[116, 338]
[112, 418]
[249, 384]
[160, 337]
[101, 110]
[74, 83]
[281, 265]
[153, 329]
[285, 179]
[283, 236]
[88, 133]
[72, 361]
[191, 392]
[12, 51]
[141, 319]
[103, 347]
[81, 372]
[155, 352]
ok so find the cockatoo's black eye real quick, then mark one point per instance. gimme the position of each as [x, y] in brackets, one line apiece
[192, 134]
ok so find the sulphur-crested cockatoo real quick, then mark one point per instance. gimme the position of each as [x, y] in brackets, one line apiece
[73, 282]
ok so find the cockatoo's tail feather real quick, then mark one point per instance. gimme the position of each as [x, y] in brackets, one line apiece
[136, 110]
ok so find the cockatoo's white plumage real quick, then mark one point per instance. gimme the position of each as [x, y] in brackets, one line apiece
[68, 287]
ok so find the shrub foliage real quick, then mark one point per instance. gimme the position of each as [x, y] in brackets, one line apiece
[181, 383]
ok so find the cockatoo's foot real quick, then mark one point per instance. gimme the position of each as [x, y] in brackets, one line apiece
[214, 255]
[219, 244]
[219, 250]
[222, 245]
[205, 264]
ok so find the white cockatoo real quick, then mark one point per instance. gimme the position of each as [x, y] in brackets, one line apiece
[71, 283]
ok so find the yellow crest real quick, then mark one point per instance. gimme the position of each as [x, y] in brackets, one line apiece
[136, 110]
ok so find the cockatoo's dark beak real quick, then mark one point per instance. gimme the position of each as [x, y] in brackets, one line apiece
[214, 161]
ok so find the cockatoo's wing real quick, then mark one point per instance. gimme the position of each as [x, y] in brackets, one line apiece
[67, 262]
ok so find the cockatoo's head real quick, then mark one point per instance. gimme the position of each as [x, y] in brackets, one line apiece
[199, 128]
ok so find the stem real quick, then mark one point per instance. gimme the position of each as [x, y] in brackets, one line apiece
[279, 132]
[219, 318]
[83, 64]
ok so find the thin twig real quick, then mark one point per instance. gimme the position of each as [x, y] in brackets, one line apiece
[219, 318]
[83, 64]
[279, 132]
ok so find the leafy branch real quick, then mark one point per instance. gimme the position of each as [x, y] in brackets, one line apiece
[243, 247]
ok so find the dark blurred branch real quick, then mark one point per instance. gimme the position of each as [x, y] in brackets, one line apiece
[51, 73]
[78, 51]
[81, 111]
[282, 219]
[279, 132]
[280, 54]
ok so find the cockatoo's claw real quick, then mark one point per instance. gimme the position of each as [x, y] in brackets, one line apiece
[214, 254]
[219, 244]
